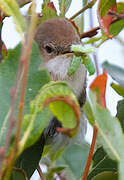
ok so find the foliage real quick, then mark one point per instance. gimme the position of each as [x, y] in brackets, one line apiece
[29, 100]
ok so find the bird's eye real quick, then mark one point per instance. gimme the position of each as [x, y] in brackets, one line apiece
[49, 49]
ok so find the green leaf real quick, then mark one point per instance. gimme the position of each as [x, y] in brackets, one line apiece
[120, 113]
[110, 132]
[92, 40]
[59, 89]
[101, 163]
[8, 70]
[118, 89]
[105, 5]
[11, 8]
[117, 73]
[116, 27]
[37, 120]
[64, 6]
[30, 157]
[106, 176]
[7, 79]
[74, 157]
[88, 112]
[104, 18]
[33, 126]
[64, 113]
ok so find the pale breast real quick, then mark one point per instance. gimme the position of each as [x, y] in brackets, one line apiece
[58, 69]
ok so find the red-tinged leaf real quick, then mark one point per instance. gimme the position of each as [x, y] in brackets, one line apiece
[104, 19]
[48, 11]
[118, 25]
[99, 87]
[51, 5]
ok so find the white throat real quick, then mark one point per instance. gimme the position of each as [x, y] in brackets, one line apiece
[58, 69]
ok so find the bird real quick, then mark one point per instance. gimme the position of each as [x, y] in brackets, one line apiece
[54, 38]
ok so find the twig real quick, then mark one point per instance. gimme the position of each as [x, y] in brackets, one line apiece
[40, 173]
[89, 5]
[92, 32]
[85, 174]
[25, 63]
[22, 72]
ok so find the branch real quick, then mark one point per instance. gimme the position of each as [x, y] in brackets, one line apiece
[92, 32]
[89, 5]
[85, 174]
[40, 173]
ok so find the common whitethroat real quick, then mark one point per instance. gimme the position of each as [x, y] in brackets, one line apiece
[54, 38]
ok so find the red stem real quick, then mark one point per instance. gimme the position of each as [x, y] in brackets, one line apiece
[85, 174]
[22, 70]
[40, 173]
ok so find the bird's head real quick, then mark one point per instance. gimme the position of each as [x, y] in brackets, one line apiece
[54, 38]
